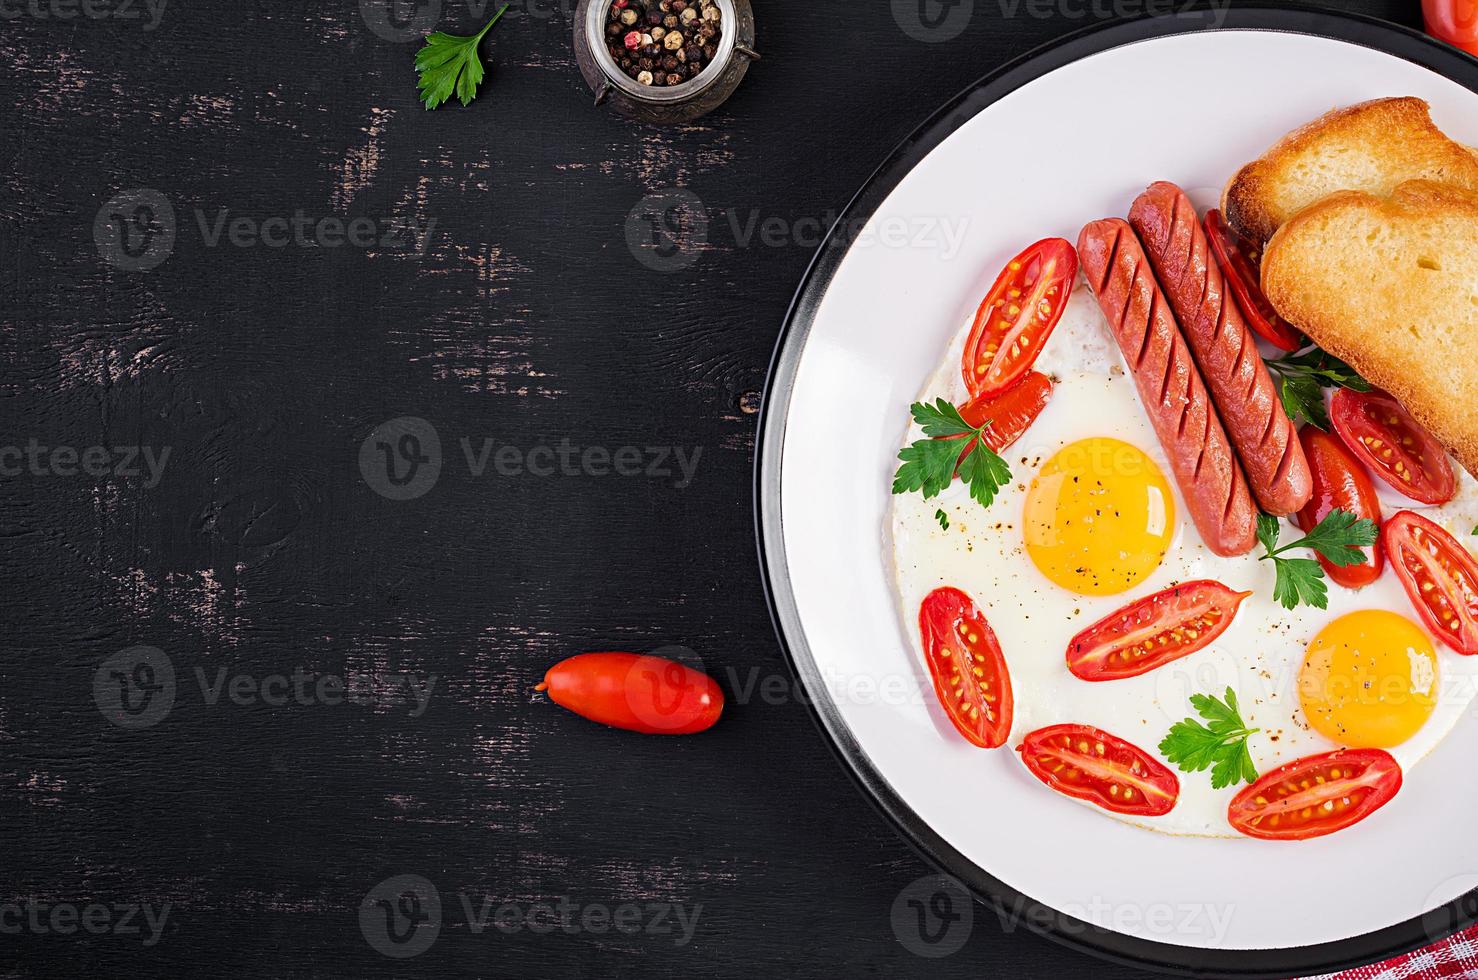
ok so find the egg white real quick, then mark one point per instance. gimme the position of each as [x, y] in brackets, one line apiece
[1259, 657]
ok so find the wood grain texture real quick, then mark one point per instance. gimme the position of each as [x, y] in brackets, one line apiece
[262, 550]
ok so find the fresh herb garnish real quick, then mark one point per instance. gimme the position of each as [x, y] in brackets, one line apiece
[1339, 538]
[1302, 379]
[1220, 744]
[930, 464]
[449, 63]
[942, 518]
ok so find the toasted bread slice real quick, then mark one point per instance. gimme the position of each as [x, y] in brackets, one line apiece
[1370, 147]
[1390, 285]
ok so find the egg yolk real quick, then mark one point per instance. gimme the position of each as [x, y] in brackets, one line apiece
[1369, 680]
[1099, 517]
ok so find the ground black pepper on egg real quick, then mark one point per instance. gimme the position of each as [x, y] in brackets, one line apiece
[663, 42]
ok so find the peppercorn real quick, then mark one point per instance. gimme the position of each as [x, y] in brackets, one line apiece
[614, 28]
[694, 69]
[692, 53]
[673, 41]
[670, 63]
[654, 18]
[674, 79]
[658, 33]
[651, 50]
[689, 15]
[629, 17]
[710, 51]
[645, 64]
[711, 13]
[632, 41]
[644, 78]
[678, 6]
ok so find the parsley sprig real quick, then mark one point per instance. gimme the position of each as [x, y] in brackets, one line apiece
[449, 63]
[931, 464]
[1221, 743]
[1302, 379]
[1339, 538]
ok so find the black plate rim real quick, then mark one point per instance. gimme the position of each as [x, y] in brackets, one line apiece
[1008, 903]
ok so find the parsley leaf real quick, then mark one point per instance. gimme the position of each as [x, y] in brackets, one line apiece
[1220, 744]
[942, 518]
[449, 63]
[985, 472]
[1302, 379]
[928, 465]
[931, 464]
[1303, 401]
[940, 419]
[1339, 538]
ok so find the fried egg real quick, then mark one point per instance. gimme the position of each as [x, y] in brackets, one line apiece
[1093, 520]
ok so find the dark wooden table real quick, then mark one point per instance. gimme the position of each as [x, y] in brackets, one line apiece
[186, 786]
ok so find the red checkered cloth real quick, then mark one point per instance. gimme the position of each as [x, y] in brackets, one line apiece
[1456, 956]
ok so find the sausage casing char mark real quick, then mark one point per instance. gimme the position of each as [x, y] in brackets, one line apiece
[1224, 348]
[1170, 386]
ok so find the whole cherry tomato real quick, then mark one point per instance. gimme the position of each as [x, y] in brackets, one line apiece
[1453, 21]
[639, 693]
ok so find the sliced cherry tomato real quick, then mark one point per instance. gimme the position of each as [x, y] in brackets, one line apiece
[1394, 445]
[969, 672]
[1009, 414]
[1089, 764]
[639, 693]
[1340, 482]
[1316, 795]
[1154, 631]
[1440, 577]
[1454, 21]
[1018, 315]
[1240, 261]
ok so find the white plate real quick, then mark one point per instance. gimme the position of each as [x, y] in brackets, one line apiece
[1071, 135]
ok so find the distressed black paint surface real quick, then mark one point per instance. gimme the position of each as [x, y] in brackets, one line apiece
[261, 549]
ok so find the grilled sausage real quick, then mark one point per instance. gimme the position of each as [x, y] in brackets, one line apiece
[1170, 386]
[1224, 348]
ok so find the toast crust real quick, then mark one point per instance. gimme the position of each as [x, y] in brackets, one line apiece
[1390, 286]
[1373, 147]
